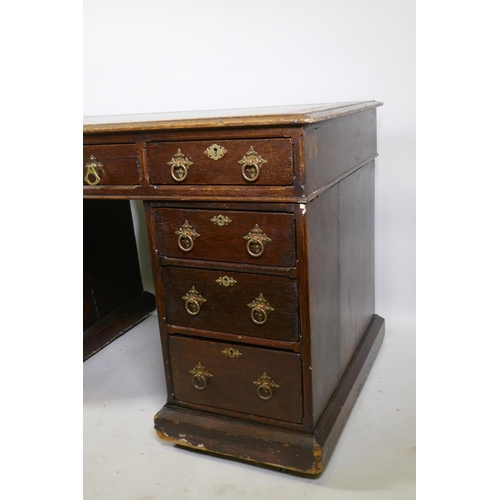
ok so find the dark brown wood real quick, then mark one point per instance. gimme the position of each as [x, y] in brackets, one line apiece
[276, 171]
[232, 384]
[322, 219]
[227, 307]
[332, 148]
[298, 451]
[160, 296]
[317, 274]
[305, 330]
[227, 243]
[217, 206]
[291, 272]
[113, 295]
[120, 164]
[255, 194]
[357, 259]
[231, 337]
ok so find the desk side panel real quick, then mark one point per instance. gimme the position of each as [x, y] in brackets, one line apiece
[324, 281]
[357, 259]
[335, 147]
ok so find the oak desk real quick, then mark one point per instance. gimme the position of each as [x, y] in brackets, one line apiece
[261, 233]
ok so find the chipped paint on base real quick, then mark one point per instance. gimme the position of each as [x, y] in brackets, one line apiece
[317, 466]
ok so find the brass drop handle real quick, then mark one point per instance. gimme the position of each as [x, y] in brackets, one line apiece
[265, 386]
[194, 300]
[187, 234]
[260, 309]
[255, 247]
[256, 239]
[179, 166]
[201, 376]
[93, 166]
[251, 164]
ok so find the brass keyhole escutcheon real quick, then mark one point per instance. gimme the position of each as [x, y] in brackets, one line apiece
[231, 352]
[221, 220]
[93, 166]
[215, 152]
[200, 376]
[226, 281]
[187, 234]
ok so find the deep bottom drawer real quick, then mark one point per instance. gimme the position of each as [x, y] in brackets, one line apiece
[251, 380]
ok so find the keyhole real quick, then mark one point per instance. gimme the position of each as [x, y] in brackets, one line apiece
[215, 151]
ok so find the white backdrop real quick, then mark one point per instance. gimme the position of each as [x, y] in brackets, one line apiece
[159, 55]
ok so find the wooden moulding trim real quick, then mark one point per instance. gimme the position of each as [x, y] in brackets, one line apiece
[237, 118]
[290, 272]
[217, 206]
[322, 189]
[299, 451]
[288, 345]
[278, 194]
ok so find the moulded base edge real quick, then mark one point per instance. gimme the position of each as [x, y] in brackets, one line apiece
[302, 452]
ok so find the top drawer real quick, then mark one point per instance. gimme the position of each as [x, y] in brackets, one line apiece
[115, 164]
[265, 162]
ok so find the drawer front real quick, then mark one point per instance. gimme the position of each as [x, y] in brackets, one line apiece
[116, 164]
[230, 302]
[250, 380]
[234, 162]
[252, 237]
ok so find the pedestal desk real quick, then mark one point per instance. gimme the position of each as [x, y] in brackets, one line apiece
[261, 232]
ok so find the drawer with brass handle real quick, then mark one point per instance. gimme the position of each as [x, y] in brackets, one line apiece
[232, 302]
[251, 380]
[266, 162]
[263, 238]
[111, 164]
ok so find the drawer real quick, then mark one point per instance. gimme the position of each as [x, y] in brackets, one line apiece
[237, 162]
[253, 237]
[245, 379]
[231, 302]
[115, 164]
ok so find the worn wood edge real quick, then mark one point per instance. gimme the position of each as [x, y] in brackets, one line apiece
[116, 323]
[315, 113]
[285, 271]
[184, 443]
[236, 338]
[223, 434]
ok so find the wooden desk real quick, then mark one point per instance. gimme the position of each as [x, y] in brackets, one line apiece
[261, 232]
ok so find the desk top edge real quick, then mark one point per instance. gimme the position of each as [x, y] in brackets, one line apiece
[257, 117]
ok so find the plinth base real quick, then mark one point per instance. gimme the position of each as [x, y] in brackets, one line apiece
[298, 451]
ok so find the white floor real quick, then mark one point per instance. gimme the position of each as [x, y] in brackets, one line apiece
[124, 459]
